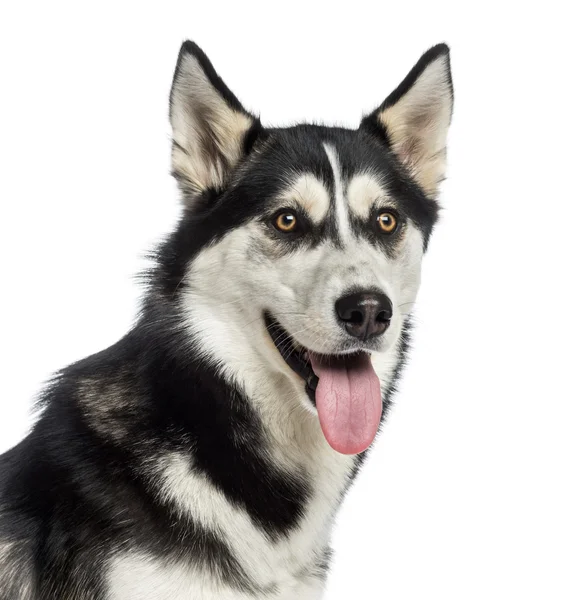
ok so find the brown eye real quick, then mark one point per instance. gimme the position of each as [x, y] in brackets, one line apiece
[387, 222]
[286, 222]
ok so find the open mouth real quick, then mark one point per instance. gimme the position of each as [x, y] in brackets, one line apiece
[343, 387]
[295, 355]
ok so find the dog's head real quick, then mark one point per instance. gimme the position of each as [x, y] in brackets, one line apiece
[301, 247]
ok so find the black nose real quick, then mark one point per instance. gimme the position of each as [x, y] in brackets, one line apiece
[364, 314]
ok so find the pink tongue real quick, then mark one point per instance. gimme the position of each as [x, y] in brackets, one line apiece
[348, 400]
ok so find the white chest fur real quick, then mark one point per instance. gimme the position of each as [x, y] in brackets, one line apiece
[139, 577]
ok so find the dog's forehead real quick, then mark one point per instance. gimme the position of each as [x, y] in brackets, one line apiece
[324, 174]
[357, 195]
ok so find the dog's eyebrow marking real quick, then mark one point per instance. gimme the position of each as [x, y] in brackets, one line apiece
[363, 192]
[341, 209]
[311, 194]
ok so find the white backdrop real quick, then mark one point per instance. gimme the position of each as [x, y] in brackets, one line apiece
[474, 490]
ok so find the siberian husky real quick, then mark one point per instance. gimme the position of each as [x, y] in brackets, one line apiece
[205, 455]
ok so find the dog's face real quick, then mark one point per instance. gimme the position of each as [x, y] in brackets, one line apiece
[307, 241]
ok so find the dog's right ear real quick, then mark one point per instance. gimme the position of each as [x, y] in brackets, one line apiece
[211, 130]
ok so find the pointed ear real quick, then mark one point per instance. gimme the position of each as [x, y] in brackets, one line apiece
[211, 130]
[415, 118]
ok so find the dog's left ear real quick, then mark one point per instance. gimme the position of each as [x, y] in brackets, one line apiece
[415, 118]
[211, 130]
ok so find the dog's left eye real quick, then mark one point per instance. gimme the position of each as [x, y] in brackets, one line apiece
[286, 222]
[387, 222]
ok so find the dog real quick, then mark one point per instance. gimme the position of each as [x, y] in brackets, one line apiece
[205, 455]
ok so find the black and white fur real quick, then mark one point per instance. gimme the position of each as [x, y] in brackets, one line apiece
[187, 461]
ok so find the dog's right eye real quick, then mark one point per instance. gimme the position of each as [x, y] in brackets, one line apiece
[286, 222]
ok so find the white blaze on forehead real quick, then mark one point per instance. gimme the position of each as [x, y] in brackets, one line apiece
[341, 207]
[310, 193]
[364, 191]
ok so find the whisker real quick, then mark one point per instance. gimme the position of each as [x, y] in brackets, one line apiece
[405, 303]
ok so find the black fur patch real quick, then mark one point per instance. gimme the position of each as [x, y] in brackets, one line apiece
[77, 499]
